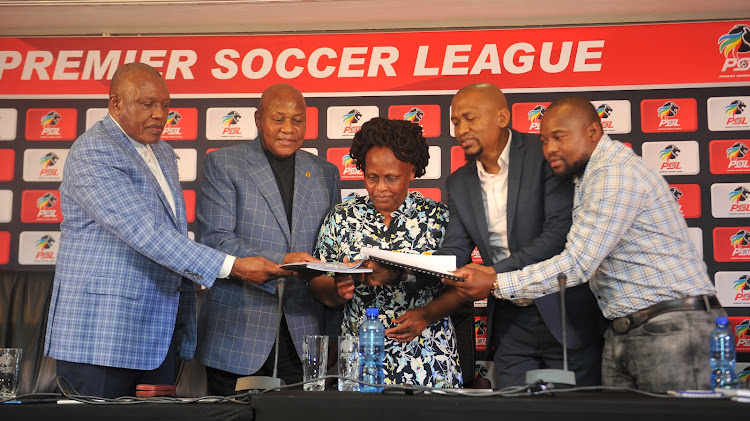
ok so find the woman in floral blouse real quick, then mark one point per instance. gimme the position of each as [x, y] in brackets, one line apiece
[391, 153]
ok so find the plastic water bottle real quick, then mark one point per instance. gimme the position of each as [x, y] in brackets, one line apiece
[372, 352]
[722, 356]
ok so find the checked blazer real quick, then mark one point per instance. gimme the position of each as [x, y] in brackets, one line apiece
[125, 268]
[241, 212]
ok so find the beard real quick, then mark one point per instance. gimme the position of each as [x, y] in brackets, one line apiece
[574, 169]
[472, 157]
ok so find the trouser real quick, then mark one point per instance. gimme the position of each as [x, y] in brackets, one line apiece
[668, 352]
[524, 342]
[222, 383]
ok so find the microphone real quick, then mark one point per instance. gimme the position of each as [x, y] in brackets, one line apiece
[552, 378]
[265, 382]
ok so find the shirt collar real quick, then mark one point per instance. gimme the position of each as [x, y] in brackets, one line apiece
[599, 149]
[139, 147]
[503, 160]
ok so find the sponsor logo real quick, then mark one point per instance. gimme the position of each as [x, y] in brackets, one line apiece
[729, 156]
[40, 206]
[615, 115]
[535, 118]
[182, 124]
[344, 122]
[688, 198]
[230, 123]
[427, 116]
[480, 332]
[733, 288]
[526, 116]
[38, 247]
[347, 168]
[730, 200]
[8, 123]
[744, 376]
[58, 124]
[673, 158]
[44, 164]
[731, 244]
[728, 113]
[735, 45]
[7, 164]
[740, 326]
[6, 206]
[476, 257]
[662, 115]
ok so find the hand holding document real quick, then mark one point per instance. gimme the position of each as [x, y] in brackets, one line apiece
[436, 265]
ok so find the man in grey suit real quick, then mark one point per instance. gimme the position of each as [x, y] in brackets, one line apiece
[506, 202]
[263, 198]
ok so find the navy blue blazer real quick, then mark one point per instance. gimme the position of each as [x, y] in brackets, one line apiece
[539, 215]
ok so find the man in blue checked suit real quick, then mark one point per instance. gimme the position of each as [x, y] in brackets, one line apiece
[263, 198]
[123, 305]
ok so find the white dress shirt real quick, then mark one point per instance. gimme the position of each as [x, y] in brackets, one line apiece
[144, 150]
[495, 199]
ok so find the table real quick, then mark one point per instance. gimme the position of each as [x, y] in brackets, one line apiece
[131, 412]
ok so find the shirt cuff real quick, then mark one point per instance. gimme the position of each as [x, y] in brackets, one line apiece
[505, 286]
[226, 268]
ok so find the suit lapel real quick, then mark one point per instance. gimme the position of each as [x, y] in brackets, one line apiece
[304, 174]
[515, 169]
[474, 198]
[169, 168]
[161, 155]
[262, 175]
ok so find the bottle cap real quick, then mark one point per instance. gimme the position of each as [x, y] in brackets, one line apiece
[722, 321]
[372, 312]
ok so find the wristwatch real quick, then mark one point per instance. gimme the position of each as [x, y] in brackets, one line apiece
[496, 287]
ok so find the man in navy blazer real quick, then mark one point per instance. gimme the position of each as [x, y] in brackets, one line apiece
[506, 202]
[123, 305]
[263, 198]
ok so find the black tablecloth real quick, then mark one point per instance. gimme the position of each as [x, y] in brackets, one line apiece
[133, 412]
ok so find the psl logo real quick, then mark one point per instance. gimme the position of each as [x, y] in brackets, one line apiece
[42, 245]
[736, 196]
[350, 167]
[742, 286]
[676, 193]
[604, 111]
[740, 332]
[414, 115]
[667, 154]
[232, 118]
[734, 45]
[44, 203]
[737, 151]
[48, 161]
[173, 119]
[352, 117]
[733, 109]
[535, 117]
[49, 120]
[739, 241]
[669, 109]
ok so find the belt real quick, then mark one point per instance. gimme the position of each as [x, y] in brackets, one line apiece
[703, 302]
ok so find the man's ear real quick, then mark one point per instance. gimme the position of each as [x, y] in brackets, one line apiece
[115, 103]
[503, 117]
[594, 130]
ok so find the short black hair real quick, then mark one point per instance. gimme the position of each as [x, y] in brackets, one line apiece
[403, 137]
[580, 104]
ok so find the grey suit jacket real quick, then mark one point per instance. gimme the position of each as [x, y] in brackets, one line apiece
[539, 214]
[240, 212]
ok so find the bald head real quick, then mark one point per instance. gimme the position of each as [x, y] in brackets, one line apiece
[139, 101]
[487, 92]
[280, 91]
[281, 120]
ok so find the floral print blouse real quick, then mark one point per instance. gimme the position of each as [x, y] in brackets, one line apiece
[418, 227]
